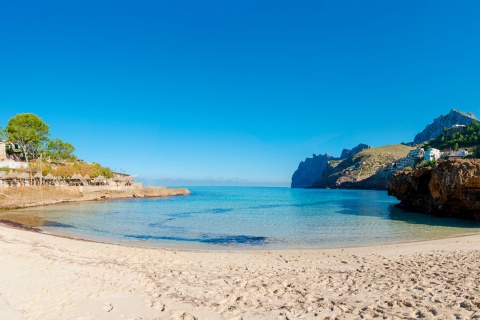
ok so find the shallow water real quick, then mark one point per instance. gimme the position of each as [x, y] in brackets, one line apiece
[240, 217]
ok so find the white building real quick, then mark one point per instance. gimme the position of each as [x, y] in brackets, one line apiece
[417, 153]
[405, 162]
[12, 164]
[432, 154]
[461, 153]
[3, 152]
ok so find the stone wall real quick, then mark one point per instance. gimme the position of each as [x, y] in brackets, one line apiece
[18, 197]
[3, 153]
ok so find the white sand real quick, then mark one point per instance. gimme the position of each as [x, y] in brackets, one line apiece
[48, 277]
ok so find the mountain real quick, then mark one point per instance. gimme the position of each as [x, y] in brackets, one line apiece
[311, 169]
[434, 129]
[368, 169]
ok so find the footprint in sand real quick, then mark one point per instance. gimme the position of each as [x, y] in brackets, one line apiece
[107, 307]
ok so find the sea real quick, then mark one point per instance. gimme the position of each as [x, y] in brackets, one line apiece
[247, 218]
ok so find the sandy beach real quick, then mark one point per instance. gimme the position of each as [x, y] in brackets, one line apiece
[50, 277]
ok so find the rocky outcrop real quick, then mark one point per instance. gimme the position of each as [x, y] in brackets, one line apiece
[311, 169]
[434, 129]
[448, 189]
[347, 153]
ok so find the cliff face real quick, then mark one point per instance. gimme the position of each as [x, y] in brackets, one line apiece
[449, 189]
[311, 169]
[434, 129]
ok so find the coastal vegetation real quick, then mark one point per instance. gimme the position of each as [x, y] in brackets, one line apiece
[457, 137]
[28, 139]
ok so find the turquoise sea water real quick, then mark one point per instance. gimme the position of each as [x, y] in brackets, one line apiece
[241, 217]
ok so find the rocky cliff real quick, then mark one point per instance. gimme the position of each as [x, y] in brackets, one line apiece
[449, 189]
[347, 153]
[311, 169]
[368, 169]
[434, 129]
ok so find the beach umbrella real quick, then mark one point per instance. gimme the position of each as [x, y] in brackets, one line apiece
[118, 178]
[86, 177]
[2, 174]
[38, 175]
[11, 175]
[49, 177]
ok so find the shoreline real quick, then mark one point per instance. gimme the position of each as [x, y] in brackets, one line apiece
[83, 278]
[7, 223]
[13, 225]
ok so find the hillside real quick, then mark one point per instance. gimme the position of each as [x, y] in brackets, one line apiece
[457, 137]
[368, 169]
[311, 169]
[433, 130]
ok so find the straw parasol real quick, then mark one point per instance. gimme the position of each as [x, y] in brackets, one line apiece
[11, 176]
[49, 177]
[118, 178]
[76, 176]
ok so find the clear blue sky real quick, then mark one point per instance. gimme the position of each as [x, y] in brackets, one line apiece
[225, 92]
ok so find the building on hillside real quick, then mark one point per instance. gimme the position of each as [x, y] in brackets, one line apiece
[432, 154]
[454, 129]
[458, 154]
[405, 162]
[3, 150]
[417, 153]
[461, 152]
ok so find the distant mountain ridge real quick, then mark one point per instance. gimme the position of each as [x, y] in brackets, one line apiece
[368, 169]
[434, 129]
[311, 169]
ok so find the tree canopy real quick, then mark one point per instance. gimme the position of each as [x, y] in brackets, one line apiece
[28, 131]
[58, 150]
[464, 137]
[31, 133]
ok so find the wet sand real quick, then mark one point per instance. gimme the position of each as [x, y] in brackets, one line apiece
[50, 277]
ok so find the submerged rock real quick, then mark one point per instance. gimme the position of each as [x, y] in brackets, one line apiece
[448, 189]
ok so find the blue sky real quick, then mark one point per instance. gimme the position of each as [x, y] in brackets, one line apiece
[235, 92]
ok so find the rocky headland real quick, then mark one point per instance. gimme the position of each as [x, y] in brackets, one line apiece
[364, 167]
[311, 169]
[448, 189]
[368, 169]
